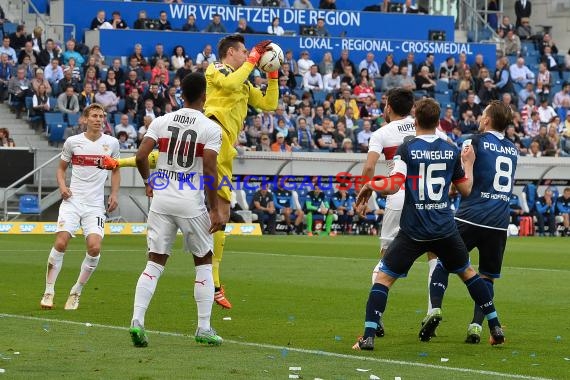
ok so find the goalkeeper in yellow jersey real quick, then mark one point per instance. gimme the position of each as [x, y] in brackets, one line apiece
[228, 94]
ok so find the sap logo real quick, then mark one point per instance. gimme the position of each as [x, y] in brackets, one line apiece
[27, 227]
[5, 227]
[229, 229]
[137, 229]
[247, 229]
[50, 227]
[116, 229]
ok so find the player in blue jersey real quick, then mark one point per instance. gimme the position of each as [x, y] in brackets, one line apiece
[483, 217]
[342, 203]
[427, 166]
[285, 205]
[563, 208]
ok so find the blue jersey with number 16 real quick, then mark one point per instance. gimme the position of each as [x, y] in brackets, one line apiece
[429, 165]
[493, 174]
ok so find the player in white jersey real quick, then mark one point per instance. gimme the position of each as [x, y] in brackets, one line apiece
[386, 140]
[188, 144]
[83, 202]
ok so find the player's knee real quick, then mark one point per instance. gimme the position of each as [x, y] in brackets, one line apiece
[467, 274]
[61, 242]
[157, 258]
[93, 249]
[206, 259]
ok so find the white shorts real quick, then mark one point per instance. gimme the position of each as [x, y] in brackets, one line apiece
[390, 227]
[162, 230]
[74, 214]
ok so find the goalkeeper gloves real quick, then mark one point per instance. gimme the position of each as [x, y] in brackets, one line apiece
[257, 51]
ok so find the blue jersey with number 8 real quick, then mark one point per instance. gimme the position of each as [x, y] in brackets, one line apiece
[493, 176]
[429, 165]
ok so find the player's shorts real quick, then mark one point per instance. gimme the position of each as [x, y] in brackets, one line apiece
[73, 214]
[162, 230]
[390, 227]
[491, 244]
[225, 166]
[404, 250]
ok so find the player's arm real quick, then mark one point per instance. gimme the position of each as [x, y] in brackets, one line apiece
[275, 203]
[113, 201]
[267, 102]
[60, 175]
[541, 207]
[309, 204]
[463, 177]
[141, 158]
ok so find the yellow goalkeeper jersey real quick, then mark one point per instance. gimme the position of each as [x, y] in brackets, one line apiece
[228, 92]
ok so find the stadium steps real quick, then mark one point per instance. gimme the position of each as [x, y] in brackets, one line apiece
[49, 197]
[20, 130]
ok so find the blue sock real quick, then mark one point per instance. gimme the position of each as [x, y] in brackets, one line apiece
[437, 286]
[374, 308]
[482, 297]
[478, 315]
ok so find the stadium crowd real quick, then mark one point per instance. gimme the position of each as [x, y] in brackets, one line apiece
[331, 105]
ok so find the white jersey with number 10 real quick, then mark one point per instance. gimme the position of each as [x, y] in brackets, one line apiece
[179, 182]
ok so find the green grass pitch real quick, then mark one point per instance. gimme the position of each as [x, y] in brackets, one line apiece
[298, 302]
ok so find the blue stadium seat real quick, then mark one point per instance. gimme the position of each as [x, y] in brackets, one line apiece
[52, 103]
[249, 195]
[443, 99]
[29, 204]
[56, 133]
[319, 97]
[441, 87]
[53, 118]
[73, 119]
[377, 83]
[299, 80]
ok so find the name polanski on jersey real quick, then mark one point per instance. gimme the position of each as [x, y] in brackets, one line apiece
[510, 150]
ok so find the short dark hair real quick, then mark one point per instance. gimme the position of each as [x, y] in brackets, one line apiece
[400, 100]
[193, 87]
[427, 113]
[227, 42]
[501, 115]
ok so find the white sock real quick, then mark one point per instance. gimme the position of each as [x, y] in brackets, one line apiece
[88, 266]
[204, 294]
[145, 289]
[432, 264]
[54, 264]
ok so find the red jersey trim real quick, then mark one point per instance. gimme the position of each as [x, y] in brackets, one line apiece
[85, 159]
[390, 152]
[198, 147]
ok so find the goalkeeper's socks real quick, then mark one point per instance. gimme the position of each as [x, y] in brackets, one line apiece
[54, 264]
[375, 308]
[87, 268]
[482, 297]
[204, 294]
[145, 289]
[437, 286]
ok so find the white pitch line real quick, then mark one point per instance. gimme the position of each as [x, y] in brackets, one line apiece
[291, 349]
[373, 260]
[288, 255]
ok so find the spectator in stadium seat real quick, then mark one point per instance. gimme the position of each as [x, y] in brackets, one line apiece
[423, 81]
[216, 25]
[6, 72]
[525, 31]
[312, 80]
[40, 105]
[470, 105]
[206, 55]
[549, 59]
[405, 81]
[264, 144]
[392, 79]
[39, 80]
[140, 22]
[264, 208]
[116, 67]
[543, 77]
[511, 135]
[113, 84]
[345, 102]
[545, 111]
[67, 101]
[544, 143]
[5, 140]
[502, 77]
[98, 20]
[28, 51]
[157, 99]
[387, 65]
[321, 30]
[525, 93]
[547, 42]
[448, 122]
[448, 71]
[243, 27]
[186, 69]
[133, 82]
[462, 66]
[520, 73]
[159, 55]
[487, 93]
[302, 4]
[327, 4]
[534, 150]
[469, 124]
[134, 104]
[411, 64]
[190, 25]
[562, 97]
[518, 124]
[87, 96]
[117, 21]
[325, 137]
[159, 70]
[71, 53]
[8, 50]
[127, 128]
[507, 100]
[305, 139]
[280, 145]
[512, 43]
[19, 87]
[465, 85]
[144, 127]
[141, 61]
[293, 65]
[149, 110]
[304, 63]
[532, 125]
[429, 63]
[19, 38]
[477, 65]
[342, 203]
[107, 99]
[344, 61]
[285, 71]
[163, 23]
[506, 24]
[563, 209]
[363, 137]
[326, 66]
[546, 213]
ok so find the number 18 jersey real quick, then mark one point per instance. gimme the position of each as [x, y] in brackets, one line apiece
[493, 175]
[179, 181]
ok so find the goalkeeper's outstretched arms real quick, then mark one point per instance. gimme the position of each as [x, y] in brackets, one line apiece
[109, 163]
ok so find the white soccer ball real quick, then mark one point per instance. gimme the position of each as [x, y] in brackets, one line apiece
[272, 59]
[512, 230]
